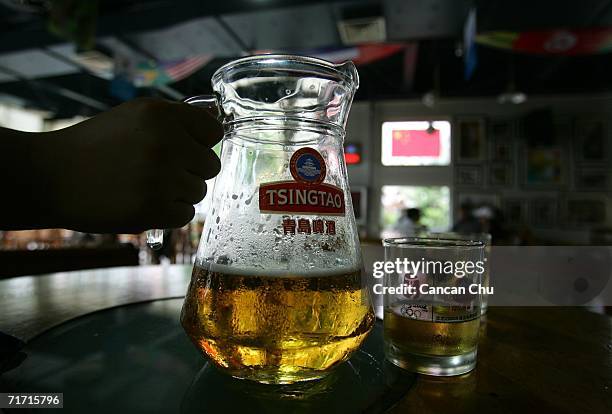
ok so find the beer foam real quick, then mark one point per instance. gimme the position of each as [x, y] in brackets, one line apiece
[256, 271]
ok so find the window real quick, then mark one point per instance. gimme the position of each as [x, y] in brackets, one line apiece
[434, 203]
[416, 143]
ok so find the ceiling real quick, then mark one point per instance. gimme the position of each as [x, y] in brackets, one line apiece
[45, 71]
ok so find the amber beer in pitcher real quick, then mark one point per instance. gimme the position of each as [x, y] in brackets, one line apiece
[283, 328]
[276, 294]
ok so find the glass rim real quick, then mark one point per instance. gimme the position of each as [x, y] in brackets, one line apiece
[280, 61]
[432, 243]
[451, 235]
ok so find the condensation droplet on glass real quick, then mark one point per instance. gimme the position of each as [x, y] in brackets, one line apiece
[218, 220]
[288, 91]
[234, 197]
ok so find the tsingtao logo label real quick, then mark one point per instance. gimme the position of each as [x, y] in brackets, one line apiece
[308, 166]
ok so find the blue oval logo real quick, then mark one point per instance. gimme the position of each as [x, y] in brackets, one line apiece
[308, 166]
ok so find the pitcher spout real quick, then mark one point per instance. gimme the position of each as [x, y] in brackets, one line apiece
[350, 71]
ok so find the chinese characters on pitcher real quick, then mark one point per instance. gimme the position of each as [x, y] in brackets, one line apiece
[305, 195]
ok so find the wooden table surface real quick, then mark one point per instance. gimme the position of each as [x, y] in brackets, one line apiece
[29, 305]
[546, 360]
[550, 360]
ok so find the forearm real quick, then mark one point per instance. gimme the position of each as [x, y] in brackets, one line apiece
[26, 181]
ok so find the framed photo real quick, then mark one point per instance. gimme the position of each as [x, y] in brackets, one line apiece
[591, 136]
[477, 199]
[502, 130]
[515, 210]
[471, 140]
[592, 179]
[585, 211]
[544, 212]
[359, 197]
[545, 167]
[469, 175]
[502, 150]
[501, 174]
[501, 136]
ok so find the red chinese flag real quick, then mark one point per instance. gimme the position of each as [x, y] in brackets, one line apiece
[415, 143]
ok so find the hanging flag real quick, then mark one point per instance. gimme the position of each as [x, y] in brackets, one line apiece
[411, 54]
[415, 143]
[370, 53]
[470, 57]
[360, 55]
[151, 73]
[567, 42]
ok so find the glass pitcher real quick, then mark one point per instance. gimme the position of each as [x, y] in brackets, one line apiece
[276, 294]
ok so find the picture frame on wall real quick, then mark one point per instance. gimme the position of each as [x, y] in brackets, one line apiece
[501, 174]
[544, 212]
[501, 140]
[502, 129]
[471, 139]
[544, 167]
[584, 211]
[469, 176]
[515, 210]
[359, 198]
[591, 141]
[502, 150]
[477, 199]
[592, 179]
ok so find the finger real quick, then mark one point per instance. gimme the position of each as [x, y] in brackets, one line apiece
[199, 123]
[191, 189]
[177, 215]
[202, 162]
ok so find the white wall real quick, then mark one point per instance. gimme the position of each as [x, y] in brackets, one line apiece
[364, 127]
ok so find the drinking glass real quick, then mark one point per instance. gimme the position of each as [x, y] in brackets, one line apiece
[486, 239]
[432, 304]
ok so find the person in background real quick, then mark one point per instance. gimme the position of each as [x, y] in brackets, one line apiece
[409, 224]
[139, 166]
[467, 223]
[492, 221]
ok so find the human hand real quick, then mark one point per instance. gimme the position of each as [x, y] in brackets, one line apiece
[138, 166]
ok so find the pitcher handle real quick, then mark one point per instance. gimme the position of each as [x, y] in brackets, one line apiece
[155, 237]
